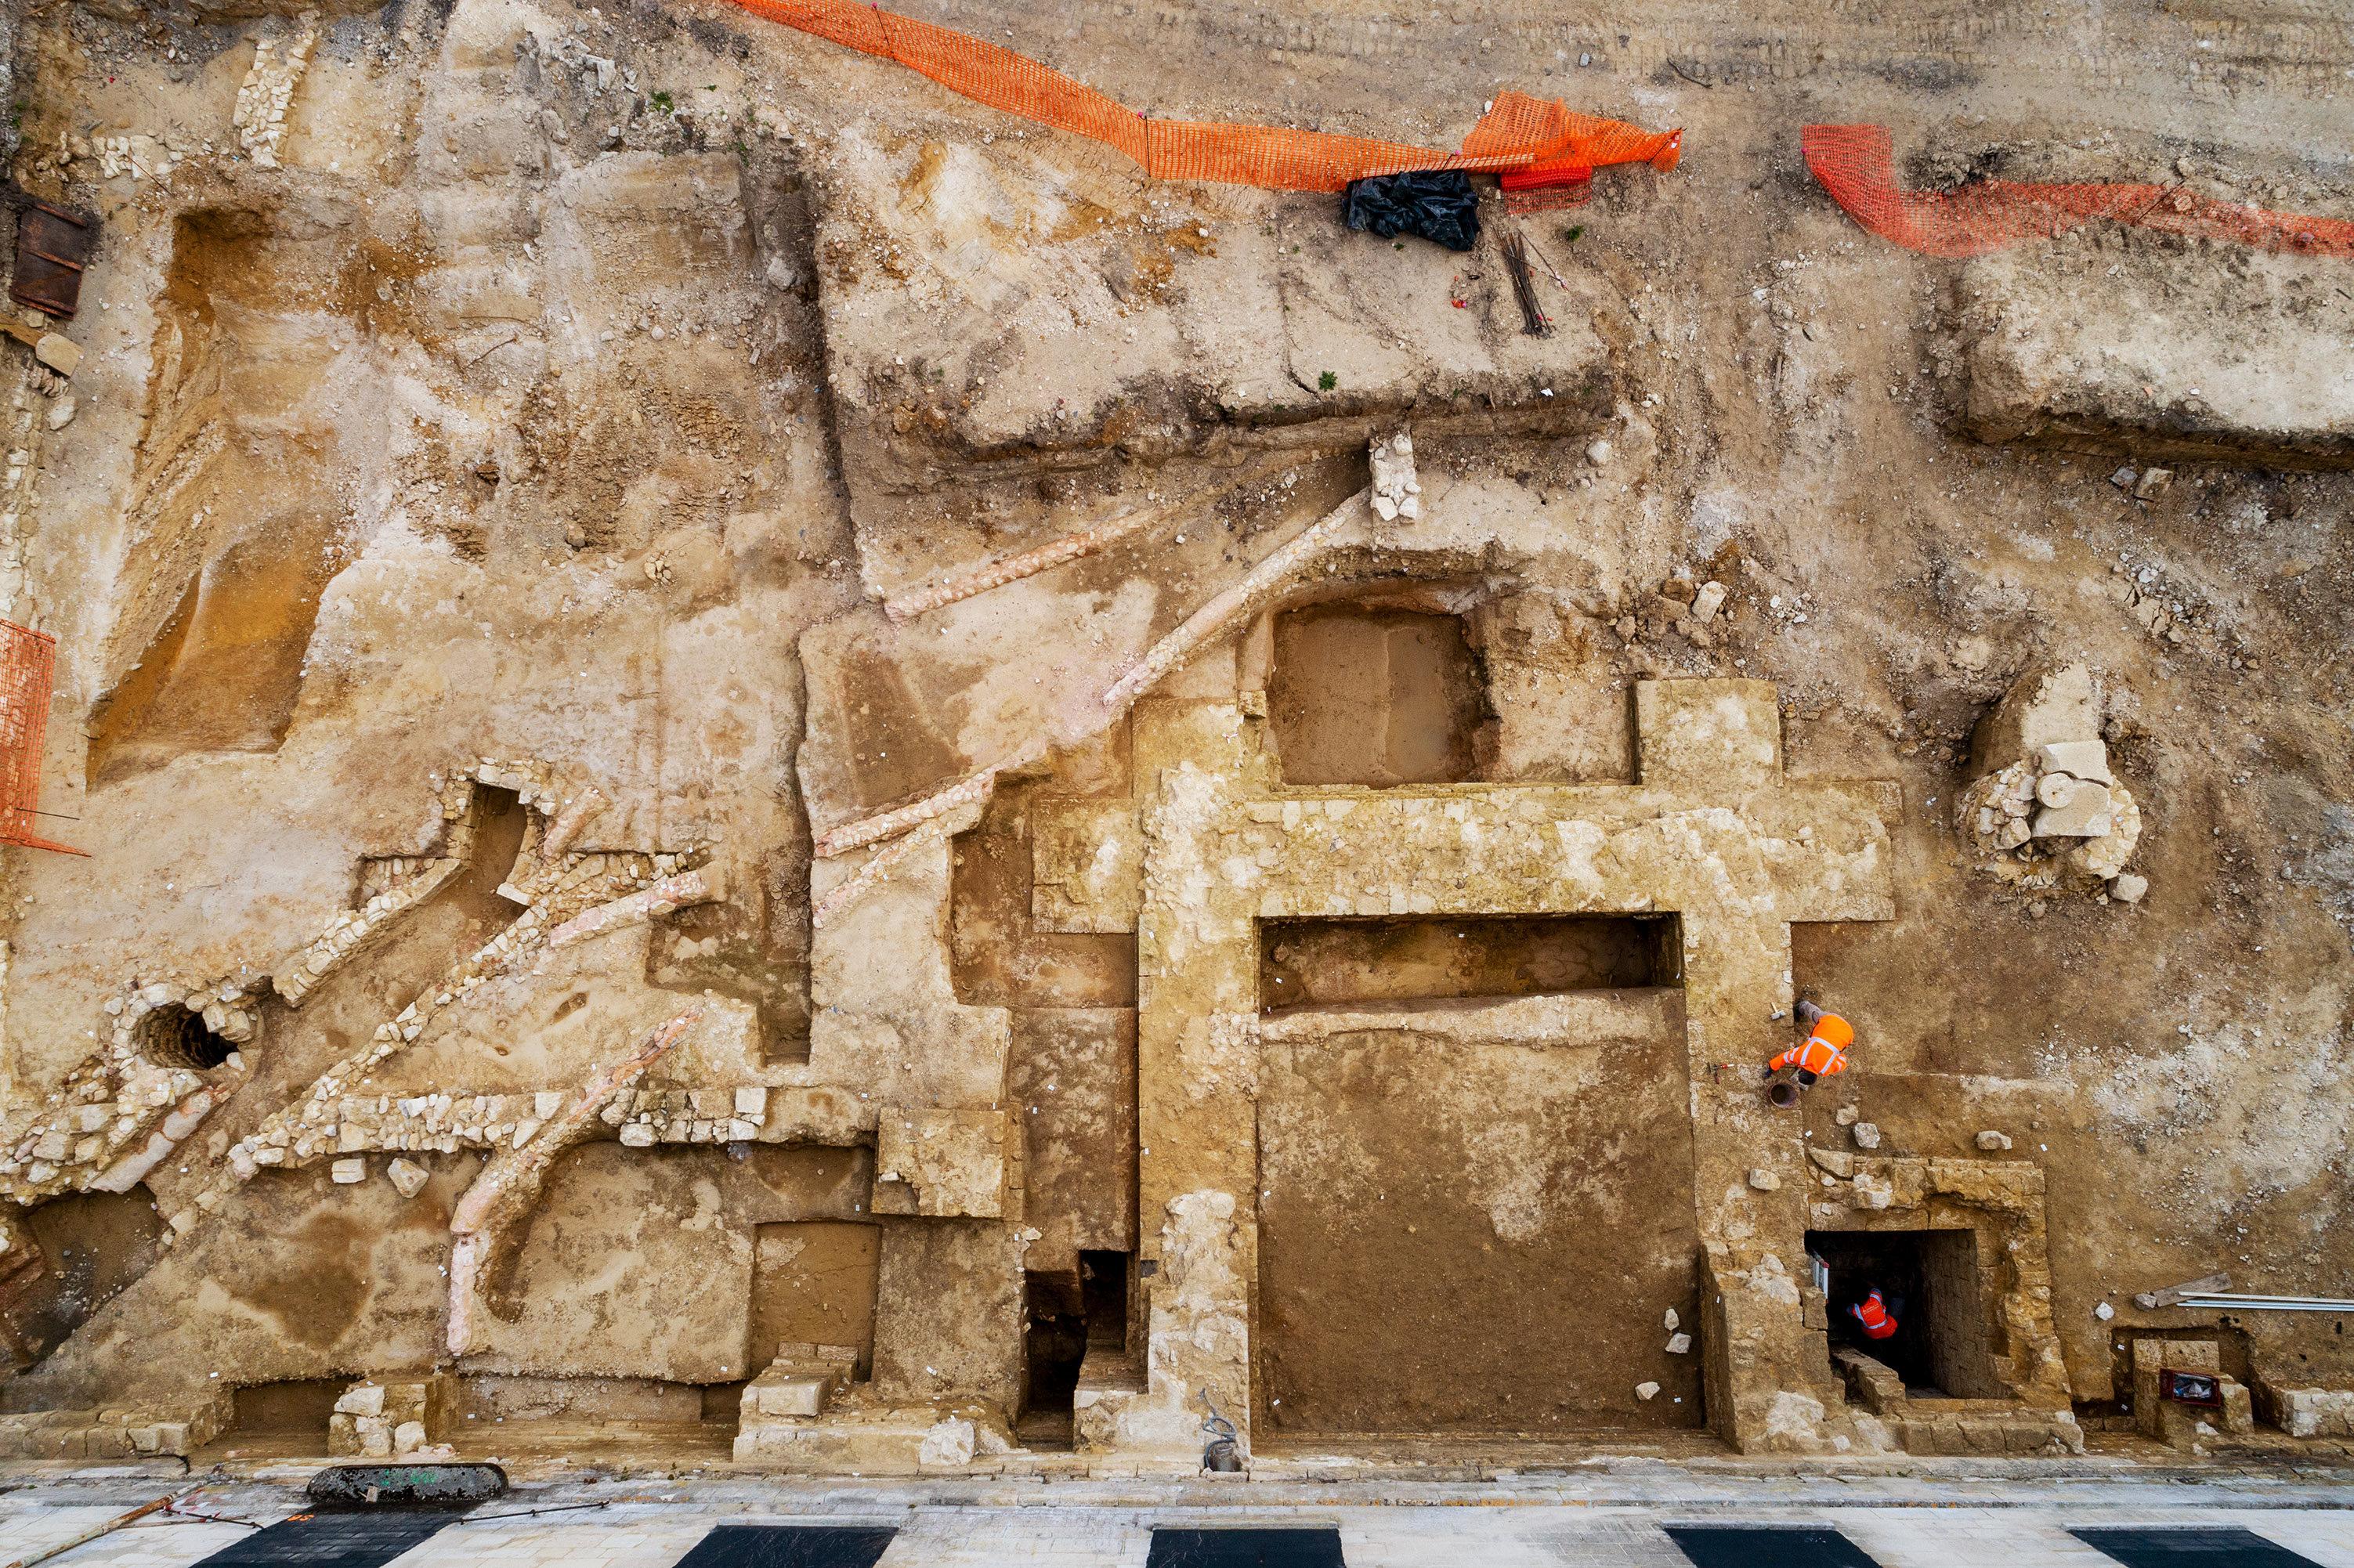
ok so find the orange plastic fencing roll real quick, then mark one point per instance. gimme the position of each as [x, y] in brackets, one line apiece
[27, 664]
[1517, 130]
[1857, 165]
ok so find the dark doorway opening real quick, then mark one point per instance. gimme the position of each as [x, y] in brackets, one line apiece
[298, 1408]
[1103, 1287]
[1327, 963]
[1941, 1346]
[1053, 1347]
[1065, 1315]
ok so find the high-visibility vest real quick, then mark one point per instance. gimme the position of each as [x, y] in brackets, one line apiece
[1824, 1053]
[1873, 1317]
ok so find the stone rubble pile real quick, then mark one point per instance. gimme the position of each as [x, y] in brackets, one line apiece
[2048, 811]
[1397, 491]
[388, 1420]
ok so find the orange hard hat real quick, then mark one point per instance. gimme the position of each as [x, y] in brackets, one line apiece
[1834, 1030]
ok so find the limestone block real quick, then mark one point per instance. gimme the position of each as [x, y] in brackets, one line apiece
[2127, 888]
[363, 1399]
[2160, 361]
[941, 1162]
[408, 1178]
[348, 1171]
[2077, 759]
[2045, 706]
[2079, 810]
[801, 1394]
[1994, 1141]
[1765, 1180]
[2238, 1415]
[948, 1443]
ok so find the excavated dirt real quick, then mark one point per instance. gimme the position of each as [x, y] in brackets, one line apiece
[587, 443]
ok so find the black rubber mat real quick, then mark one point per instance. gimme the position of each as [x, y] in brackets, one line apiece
[357, 1540]
[1245, 1548]
[2199, 1546]
[1766, 1546]
[790, 1546]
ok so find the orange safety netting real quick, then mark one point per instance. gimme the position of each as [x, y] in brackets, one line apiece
[1516, 130]
[28, 664]
[1857, 165]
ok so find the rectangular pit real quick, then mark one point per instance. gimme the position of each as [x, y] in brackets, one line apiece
[1474, 1217]
[1384, 962]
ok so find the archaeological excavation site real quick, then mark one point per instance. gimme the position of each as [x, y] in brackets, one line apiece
[1225, 743]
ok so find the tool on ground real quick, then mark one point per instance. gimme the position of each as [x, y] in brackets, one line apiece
[1515, 132]
[111, 1525]
[1524, 287]
[60, 354]
[2221, 1301]
[1222, 1453]
[2151, 1300]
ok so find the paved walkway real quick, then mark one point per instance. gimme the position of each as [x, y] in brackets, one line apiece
[1539, 1522]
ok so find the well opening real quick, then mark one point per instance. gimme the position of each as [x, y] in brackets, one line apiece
[173, 1036]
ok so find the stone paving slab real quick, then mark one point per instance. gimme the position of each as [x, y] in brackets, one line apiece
[1585, 1521]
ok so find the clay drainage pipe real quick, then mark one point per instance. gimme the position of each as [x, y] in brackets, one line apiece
[61, 1548]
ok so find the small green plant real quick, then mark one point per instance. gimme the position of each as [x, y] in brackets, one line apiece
[1575, 230]
[1326, 382]
[665, 103]
[1397, 245]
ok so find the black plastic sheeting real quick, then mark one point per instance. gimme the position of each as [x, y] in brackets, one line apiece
[1766, 1546]
[360, 1539]
[790, 1546]
[1245, 1548]
[1436, 203]
[2199, 1546]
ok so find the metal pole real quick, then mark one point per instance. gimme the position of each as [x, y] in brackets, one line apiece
[110, 1525]
[2212, 1299]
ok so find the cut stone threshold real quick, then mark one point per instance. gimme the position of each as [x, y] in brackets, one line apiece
[804, 1413]
[1960, 1427]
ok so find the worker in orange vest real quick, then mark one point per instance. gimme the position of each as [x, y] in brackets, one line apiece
[1823, 1051]
[1879, 1318]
